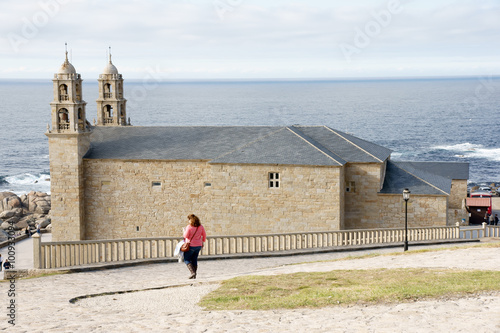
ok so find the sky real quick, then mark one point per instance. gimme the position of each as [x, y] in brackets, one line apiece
[248, 39]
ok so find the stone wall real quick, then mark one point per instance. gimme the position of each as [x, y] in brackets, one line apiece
[361, 201]
[456, 209]
[367, 209]
[152, 198]
[423, 211]
[67, 191]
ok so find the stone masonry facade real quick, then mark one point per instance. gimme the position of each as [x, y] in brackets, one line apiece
[67, 188]
[152, 198]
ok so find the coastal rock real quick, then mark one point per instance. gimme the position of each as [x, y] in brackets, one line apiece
[42, 207]
[38, 202]
[24, 211]
[43, 222]
[29, 219]
[21, 224]
[5, 197]
[24, 200]
[14, 202]
[7, 214]
[13, 220]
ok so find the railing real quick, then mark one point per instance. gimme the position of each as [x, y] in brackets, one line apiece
[108, 95]
[479, 232]
[108, 120]
[64, 126]
[75, 253]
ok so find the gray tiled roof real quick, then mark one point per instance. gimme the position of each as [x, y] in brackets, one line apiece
[295, 145]
[397, 179]
[423, 177]
[450, 170]
[281, 147]
[348, 147]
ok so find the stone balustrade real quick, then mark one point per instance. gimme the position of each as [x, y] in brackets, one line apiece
[76, 253]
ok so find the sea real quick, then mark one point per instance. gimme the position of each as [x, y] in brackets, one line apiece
[420, 119]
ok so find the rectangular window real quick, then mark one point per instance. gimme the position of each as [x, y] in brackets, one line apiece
[274, 180]
[156, 184]
[351, 187]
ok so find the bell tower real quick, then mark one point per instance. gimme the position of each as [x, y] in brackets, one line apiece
[69, 141]
[111, 106]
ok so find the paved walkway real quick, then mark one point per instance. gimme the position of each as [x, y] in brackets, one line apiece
[24, 252]
[43, 303]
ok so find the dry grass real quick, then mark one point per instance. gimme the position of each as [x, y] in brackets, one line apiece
[311, 290]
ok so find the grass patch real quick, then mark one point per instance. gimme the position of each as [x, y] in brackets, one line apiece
[314, 290]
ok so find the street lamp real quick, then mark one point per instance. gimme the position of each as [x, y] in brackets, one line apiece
[406, 197]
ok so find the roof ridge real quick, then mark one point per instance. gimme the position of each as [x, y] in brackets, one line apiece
[250, 143]
[432, 185]
[315, 146]
[355, 145]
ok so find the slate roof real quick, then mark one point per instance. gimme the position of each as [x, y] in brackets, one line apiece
[423, 177]
[292, 145]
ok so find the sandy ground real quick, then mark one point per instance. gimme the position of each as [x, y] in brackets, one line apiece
[42, 304]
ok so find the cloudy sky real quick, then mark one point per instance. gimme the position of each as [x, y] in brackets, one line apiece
[187, 39]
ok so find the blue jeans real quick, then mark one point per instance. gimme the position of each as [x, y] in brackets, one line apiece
[191, 256]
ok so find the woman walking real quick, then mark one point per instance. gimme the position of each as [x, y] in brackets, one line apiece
[195, 235]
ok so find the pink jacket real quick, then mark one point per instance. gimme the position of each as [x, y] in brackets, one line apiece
[199, 238]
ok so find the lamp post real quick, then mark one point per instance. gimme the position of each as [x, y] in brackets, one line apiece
[406, 197]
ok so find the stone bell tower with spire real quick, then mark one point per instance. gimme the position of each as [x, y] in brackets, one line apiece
[111, 106]
[69, 141]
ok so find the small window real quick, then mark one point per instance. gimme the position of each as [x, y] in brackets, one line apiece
[274, 180]
[351, 187]
[208, 184]
[156, 184]
[105, 183]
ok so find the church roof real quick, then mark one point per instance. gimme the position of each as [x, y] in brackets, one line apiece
[423, 177]
[66, 67]
[292, 145]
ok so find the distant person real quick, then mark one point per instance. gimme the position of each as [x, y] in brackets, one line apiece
[1, 262]
[496, 219]
[195, 235]
[27, 231]
[492, 219]
[38, 229]
[6, 264]
[486, 218]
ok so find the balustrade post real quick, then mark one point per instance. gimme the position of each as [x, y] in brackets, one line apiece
[37, 256]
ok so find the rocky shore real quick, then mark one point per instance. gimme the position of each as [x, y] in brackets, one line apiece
[17, 213]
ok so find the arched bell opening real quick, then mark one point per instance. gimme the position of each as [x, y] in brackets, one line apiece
[63, 92]
[108, 114]
[63, 119]
[81, 119]
[108, 90]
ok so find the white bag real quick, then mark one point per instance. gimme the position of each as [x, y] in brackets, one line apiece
[178, 251]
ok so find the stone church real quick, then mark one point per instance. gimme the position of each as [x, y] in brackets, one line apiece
[112, 180]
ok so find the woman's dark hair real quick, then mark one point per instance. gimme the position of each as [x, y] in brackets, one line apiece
[194, 220]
